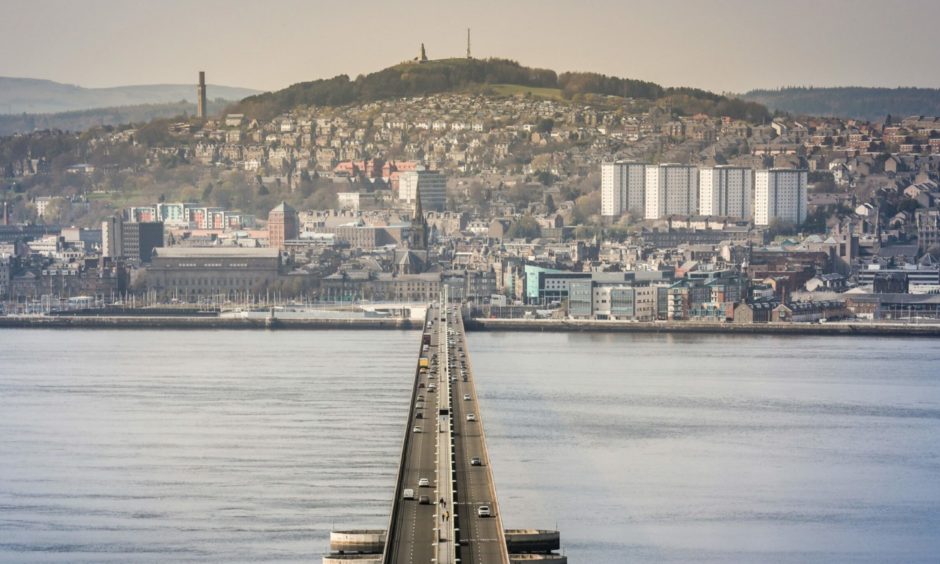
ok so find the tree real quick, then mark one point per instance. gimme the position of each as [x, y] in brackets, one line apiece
[526, 227]
[550, 204]
[546, 178]
[479, 195]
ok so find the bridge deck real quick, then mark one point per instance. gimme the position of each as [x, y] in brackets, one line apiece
[413, 534]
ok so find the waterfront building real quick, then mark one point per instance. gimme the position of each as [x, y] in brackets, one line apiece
[671, 189]
[347, 286]
[133, 240]
[780, 194]
[5, 271]
[198, 272]
[111, 229]
[928, 229]
[726, 191]
[283, 225]
[925, 275]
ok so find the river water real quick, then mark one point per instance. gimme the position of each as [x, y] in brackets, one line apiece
[175, 446]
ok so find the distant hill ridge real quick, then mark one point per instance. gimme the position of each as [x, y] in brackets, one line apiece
[82, 120]
[871, 104]
[36, 96]
[452, 75]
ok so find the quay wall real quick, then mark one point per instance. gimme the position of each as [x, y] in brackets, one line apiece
[480, 324]
[573, 326]
[202, 322]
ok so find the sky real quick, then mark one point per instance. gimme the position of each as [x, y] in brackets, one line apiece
[719, 45]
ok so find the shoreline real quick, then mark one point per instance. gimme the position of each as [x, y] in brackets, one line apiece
[590, 326]
[135, 322]
[145, 322]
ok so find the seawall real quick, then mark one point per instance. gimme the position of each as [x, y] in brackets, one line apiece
[189, 322]
[568, 325]
[530, 325]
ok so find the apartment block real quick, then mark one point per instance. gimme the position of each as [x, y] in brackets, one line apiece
[726, 191]
[780, 194]
[623, 188]
[671, 189]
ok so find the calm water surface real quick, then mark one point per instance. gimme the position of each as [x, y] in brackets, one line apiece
[249, 446]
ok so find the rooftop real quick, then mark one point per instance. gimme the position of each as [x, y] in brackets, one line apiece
[203, 252]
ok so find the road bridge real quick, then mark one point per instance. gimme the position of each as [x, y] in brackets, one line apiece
[445, 509]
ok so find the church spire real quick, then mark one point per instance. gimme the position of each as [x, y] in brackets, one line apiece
[419, 213]
[419, 225]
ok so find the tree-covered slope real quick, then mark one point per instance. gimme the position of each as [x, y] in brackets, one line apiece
[850, 102]
[432, 77]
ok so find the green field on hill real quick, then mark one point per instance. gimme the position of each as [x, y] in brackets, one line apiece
[516, 89]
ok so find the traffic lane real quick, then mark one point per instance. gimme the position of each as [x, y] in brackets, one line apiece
[414, 532]
[416, 521]
[477, 481]
[481, 532]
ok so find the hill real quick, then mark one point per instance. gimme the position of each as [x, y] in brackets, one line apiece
[871, 104]
[85, 119]
[450, 75]
[34, 96]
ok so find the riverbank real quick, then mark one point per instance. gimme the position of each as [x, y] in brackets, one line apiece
[214, 322]
[203, 322]
[572, 325]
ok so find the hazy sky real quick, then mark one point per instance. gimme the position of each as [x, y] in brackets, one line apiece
[730, 45]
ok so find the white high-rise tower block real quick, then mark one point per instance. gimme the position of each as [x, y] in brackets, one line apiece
[623, 188]
[726, 191]
[671, 189]
[780, 193]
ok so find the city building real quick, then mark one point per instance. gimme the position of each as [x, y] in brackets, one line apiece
[928, 229]
[139, 239]
[111, 238]
[133, 240]
[431, 184]
[726, 191]
[780, 194]
[176, 214]
[191, 273]
[283, 225]
[923, 275]
[671, 189]
[623, 188]
[4, 277]
[380, 287]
